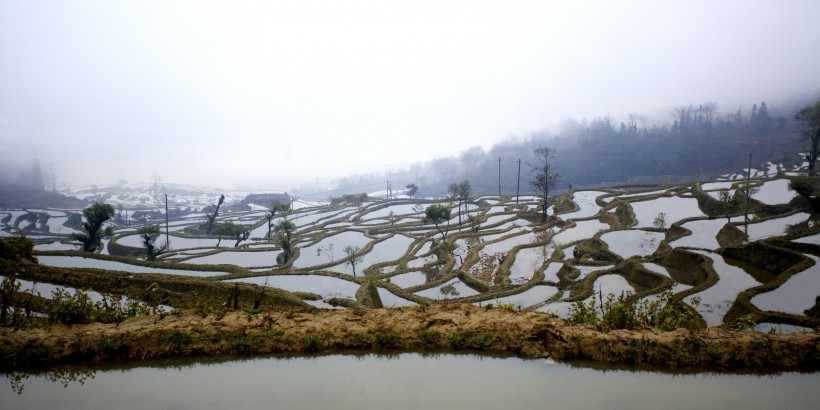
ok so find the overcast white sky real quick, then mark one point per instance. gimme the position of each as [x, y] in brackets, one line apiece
[273, 93]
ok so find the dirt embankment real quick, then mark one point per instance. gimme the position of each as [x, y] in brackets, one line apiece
[433, 328]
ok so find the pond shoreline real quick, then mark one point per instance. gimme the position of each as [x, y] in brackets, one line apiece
[435, 328]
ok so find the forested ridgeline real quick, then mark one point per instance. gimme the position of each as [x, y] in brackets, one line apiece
[698, 142]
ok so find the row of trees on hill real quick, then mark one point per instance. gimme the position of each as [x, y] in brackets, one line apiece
[696, 141]
[34, 176]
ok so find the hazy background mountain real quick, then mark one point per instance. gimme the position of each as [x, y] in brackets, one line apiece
[700, 143]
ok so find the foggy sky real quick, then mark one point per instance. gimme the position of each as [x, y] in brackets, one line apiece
[275, 93]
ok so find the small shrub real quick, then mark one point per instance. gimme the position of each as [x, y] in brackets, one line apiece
[312, 343]
[360, 339]
[744, 323]
[32, 353]
[482, 341]
[444, 249]
[107, 346]
[179, 337]
[69, 309]
[618, 313]
[457, 340]
[287, 339]
[17, 248]
[429, 336]
[580, 313]
[210, 336]
[386, 337]
[78, 308]
[623, 313]
[8, 292]
[243, 344]
[279, 336]
[674, 315]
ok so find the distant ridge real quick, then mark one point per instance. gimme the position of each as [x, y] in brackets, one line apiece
[18, 196]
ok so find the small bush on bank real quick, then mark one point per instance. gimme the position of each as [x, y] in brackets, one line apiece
[17, 248]
[623, 312]
[77, 308]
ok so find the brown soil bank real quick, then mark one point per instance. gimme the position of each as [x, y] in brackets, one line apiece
[438, 327]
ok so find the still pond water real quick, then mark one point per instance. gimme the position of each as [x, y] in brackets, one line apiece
[408, 381]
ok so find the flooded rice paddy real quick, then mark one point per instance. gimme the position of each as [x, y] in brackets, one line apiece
[396, 247]
[716, 300]
[774, 226]
[81, 262]
[796, 295]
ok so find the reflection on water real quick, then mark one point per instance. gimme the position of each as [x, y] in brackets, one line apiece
[704, 234]
[796, 295]
[452, 289]
[402, 381]
[586, 204]
[238, 258]
[530, 297]
[632, 242]
[330, 249]
[774, 192]
[391, 300]
[717, 299]
[773, 227]
[326, 286]
[675, 208]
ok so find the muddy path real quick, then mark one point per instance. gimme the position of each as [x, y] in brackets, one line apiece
[454, 327]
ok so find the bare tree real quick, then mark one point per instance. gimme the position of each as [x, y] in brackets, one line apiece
[461, 192]
[545, 177]
[725, 200]
[212, 216]
[353, 258]
[660, 222]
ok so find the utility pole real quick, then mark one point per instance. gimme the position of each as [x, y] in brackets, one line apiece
[518, 185]
[167, 238]
[748, 193]
[499, 177]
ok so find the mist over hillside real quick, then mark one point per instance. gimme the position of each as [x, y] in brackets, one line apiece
[695, 142]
